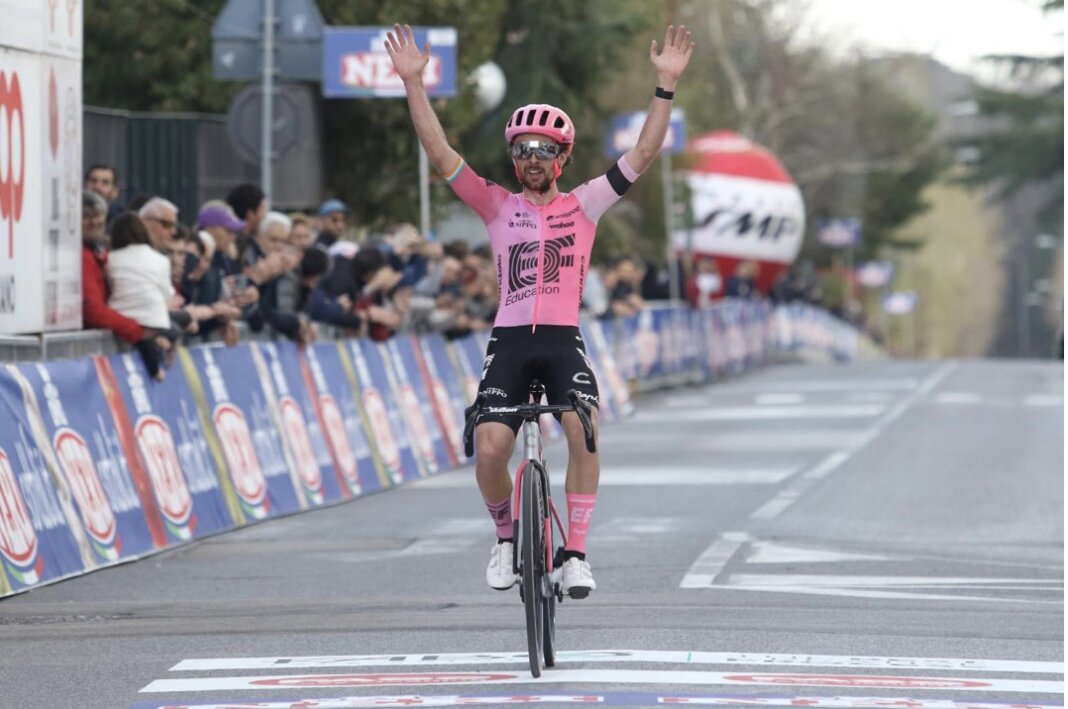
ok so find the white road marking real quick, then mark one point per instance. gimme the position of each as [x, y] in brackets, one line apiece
[757, 413]
[742, 659]
[890, 587]
[743, 440]
[710, 564]
[613, 699]
[560, 676]
[773, 399]
[1044, 400]
[773, 553]
[958, 397]
[793, 490]
[828, 385]
[616, 476]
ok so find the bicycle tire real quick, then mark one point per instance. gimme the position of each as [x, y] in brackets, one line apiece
[532, 555]
[549, 606]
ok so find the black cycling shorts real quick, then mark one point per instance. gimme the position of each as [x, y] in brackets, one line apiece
[555, 355]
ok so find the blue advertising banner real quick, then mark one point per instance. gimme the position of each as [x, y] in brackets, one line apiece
[382, 411]
[40, 537]
[80, 431]
[302, 434]
[250, 441]
[613, 377]
[182, 472]
[447, 390]
[606, 397]
[416, 406]
[343, 421]
[356, 65]
[623, 133]
[469, 357]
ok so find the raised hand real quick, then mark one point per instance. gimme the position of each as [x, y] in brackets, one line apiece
[408, 61]
[672, 61]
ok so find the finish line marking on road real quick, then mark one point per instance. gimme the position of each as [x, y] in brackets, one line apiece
[617, 699]
[747, 659]
[591, 677]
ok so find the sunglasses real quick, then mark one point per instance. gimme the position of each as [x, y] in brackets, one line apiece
[540, 149]
[165, 223]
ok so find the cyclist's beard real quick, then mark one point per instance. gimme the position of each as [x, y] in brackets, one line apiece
[541, 182]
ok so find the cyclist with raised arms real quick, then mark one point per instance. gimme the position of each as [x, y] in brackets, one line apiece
[541, 239]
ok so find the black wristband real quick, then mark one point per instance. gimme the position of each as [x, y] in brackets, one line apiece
[664, 93]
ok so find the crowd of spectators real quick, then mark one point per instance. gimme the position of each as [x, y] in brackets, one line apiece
[158, 278]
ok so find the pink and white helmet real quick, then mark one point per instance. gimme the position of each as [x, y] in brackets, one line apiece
[542, 119]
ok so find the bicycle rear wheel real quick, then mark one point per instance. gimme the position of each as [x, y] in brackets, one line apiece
[532, 551]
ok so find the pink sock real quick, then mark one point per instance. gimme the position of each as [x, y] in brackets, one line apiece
[579, 514]
[501, 512]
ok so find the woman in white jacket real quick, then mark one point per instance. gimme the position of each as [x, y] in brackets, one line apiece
[140, 279]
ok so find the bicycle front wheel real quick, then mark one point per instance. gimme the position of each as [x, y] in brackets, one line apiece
[532, 556]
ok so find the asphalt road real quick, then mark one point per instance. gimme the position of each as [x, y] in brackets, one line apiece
[847, 534]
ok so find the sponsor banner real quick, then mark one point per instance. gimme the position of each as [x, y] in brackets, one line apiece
[563, 676]
[356, 65]
[606, 397]
[447, 392]
[61, 193]
[43, 26]
[81, 433]
[417, 406]
[41, 536]
[623, 133]
[624, 339]
[23, 127]
[387, 426]
[241, 416]
[646, 341]
[355, 415]
[469, 359]
[340, 417]
[613, 377]
[617, 699]
[748, 659]
[310, 457]
[169, 448]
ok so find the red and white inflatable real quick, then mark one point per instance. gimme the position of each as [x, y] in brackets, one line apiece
[746, 207]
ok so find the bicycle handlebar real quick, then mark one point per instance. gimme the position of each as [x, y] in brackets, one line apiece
[528, 412]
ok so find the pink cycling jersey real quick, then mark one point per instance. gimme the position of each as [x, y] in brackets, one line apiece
[541, 253]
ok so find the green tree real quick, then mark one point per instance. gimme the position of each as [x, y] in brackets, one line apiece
[1027, 146]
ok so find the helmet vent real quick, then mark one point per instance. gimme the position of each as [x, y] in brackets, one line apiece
[559, 122]
[544, 118]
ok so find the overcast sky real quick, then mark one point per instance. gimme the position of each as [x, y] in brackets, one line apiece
[955, 32]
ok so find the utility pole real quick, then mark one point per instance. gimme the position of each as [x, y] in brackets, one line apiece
[267, 104]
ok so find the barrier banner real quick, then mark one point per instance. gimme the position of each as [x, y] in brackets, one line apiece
[613, 379]
[298, 419]
[90, 457]
[340, 418]
[416, 406]
[734, 337]
[236, 407]
[168, 438]
[335, 365]
[382, 411]
[469, 358]
[40, 534]
[446, 391]
[625, 346]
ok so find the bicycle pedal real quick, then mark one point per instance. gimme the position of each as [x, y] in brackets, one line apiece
[578, 592]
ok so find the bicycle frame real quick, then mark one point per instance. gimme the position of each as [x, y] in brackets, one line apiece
[533, 452]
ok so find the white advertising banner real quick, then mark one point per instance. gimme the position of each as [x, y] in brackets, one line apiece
[62, 27]
[61, 185]
[42, 26]
[40, 165]
[21, 199]
[745, 218]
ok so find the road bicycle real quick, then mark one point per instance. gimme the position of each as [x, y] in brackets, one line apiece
[537, 530]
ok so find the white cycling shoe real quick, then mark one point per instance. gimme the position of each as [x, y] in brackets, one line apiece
[576, 578]
[499, 574]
